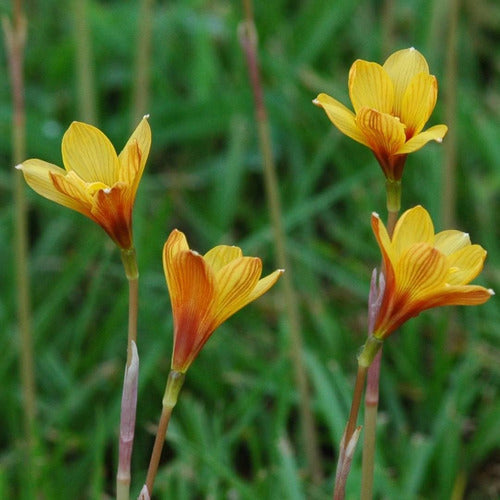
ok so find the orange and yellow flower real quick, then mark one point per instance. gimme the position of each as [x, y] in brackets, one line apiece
[95, 181]
[423, 270]
[392, 103]
[207, 290]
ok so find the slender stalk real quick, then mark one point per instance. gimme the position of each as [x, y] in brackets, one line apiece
[15, 38]
[127, 425]
[248, 39]
[450, 145]
[84, 65]
[393, 192]
[142, 61]
[174, 385]
[129, 395]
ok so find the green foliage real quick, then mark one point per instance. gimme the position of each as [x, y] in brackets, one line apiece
[234, 432]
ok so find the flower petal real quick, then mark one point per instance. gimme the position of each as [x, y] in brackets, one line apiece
[87, 151]
[414, 226]
[342, 117]
[465, 295]
[435, 133]
[465, 264]
[221, 255]
[402, 66]
[418, 103]
[450, 241]
[384, 133]
[133, 157]
[234, 283]
[370, 87]
[112, 210]
[191, 288]
[40, 177]
[175, 244]
[264, 284]
[421, 272]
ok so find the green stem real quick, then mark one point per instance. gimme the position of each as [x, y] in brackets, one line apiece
[174, 385]
[248, 39]
[15, 37]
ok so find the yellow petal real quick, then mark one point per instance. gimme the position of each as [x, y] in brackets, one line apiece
[134, 155]
[435, 133]
[384, 133]
[466, 264]
[370, 87]
[420, 272]
[450, 241]
[402, 66]
[418, 103]
[342, 117]
[39, 175]
[219, 256]
[235, 282]
[264, 284]
[112, 210]
[176, 243]
[465, 295]
[414, 226]
[87, 151]
[191, 288]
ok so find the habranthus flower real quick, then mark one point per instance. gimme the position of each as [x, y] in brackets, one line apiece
[392, 103]
[207, 290]
[423, 270]
[95, 180]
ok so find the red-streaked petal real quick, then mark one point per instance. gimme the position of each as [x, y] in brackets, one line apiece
[87, 151]
[40, 177]
[234, 283]
[435, 133]
[418, 103]
[112, 209]
[176, 243]
[264, 284]
[343, 118]
[133, 157]
[191, 288]
[384, 133]
[370, 87]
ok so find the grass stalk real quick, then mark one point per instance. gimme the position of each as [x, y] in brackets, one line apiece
[450, 103]
[15, 37]
[142, 62]
[84, 66]
[248, 39]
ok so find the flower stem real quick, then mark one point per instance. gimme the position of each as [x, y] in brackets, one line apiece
[129, 395]
[350, 437]
[393, 192]
[370, 422]
[248, 40]
[174, 385]
[15, 38]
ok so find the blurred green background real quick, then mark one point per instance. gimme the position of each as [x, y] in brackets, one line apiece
[235, 432]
